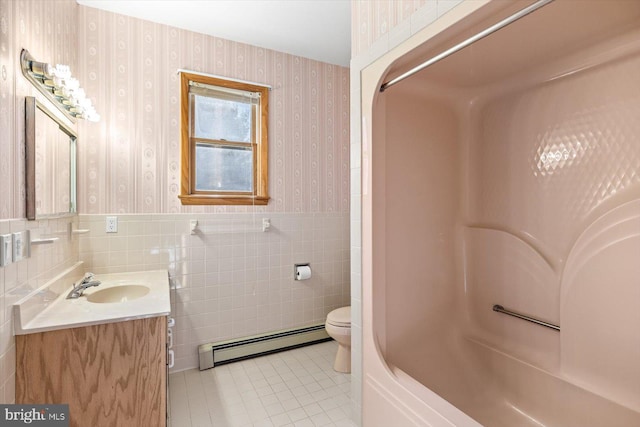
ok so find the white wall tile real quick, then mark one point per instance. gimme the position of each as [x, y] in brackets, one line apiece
[232, 282]
[20, 278]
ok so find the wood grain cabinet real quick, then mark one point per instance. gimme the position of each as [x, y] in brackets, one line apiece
[112, 374]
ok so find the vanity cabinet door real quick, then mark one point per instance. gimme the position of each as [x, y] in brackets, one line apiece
[110, 375]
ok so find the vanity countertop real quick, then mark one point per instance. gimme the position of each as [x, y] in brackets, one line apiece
[48, 309]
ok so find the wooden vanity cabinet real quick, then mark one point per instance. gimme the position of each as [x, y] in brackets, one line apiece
[112, 374]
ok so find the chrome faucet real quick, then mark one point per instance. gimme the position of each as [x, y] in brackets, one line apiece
[78, 288]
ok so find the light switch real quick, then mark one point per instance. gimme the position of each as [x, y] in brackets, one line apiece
[21, 245]
[6, 250]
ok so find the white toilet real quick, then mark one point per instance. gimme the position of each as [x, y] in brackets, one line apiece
[338, 326]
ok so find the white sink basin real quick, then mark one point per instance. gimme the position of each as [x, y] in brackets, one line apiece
[121, 293]
[120, 297]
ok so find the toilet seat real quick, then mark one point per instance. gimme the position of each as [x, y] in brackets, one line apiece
[340, 317]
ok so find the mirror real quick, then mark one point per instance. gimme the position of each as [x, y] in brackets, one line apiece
[50, 163]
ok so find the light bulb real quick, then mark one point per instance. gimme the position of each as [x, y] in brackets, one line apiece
[86, 103]
[80, 95]
[93, 117]
[62, 71]
[41, 69]
[72, 83]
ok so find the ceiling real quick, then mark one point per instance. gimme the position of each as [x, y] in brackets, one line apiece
[316, 29]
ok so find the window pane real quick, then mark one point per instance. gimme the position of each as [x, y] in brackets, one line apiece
[222, 119]
[224, 168]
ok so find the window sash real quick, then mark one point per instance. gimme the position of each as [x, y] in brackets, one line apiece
[229, 95]
[224, 144]
[254, 135]
[244, 92]
[248, 147]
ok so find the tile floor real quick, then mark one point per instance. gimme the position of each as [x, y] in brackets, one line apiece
[292, 388]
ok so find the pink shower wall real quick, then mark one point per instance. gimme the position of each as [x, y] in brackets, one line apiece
[131, 158]
[554, 219]
[422, 196]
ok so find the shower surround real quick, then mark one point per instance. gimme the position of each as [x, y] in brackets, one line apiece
[508, 173]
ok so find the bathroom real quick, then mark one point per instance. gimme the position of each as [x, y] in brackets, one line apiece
[231, 276]
[326, 177]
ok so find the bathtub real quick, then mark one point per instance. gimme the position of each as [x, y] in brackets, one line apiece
[505, 174]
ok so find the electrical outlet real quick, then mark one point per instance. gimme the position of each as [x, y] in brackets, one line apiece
[6, 250]
[112, 224]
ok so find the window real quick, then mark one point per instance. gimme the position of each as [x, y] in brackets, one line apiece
[224, 141]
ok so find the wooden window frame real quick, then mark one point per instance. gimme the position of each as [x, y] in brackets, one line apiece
[188, 194]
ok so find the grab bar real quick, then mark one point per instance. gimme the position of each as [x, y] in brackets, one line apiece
[482, 34]
[501, 309]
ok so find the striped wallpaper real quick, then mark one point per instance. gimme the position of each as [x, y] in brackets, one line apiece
[372, 19]
[131, 158]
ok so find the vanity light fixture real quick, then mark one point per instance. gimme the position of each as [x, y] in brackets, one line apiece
[59, 87]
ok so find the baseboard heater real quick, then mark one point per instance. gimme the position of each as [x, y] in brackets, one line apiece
[220, 353]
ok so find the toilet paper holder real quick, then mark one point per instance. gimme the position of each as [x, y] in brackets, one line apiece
[296, 268]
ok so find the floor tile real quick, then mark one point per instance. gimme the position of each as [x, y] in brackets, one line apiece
[296, 388]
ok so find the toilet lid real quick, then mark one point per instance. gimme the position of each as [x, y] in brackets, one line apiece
[340, 316]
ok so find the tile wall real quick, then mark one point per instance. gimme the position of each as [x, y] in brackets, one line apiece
[21, 278]
[231, 278]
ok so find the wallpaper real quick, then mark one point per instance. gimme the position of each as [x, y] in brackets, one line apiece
[131, 158]
[7, 111]
[371, 19]
[47, 29]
